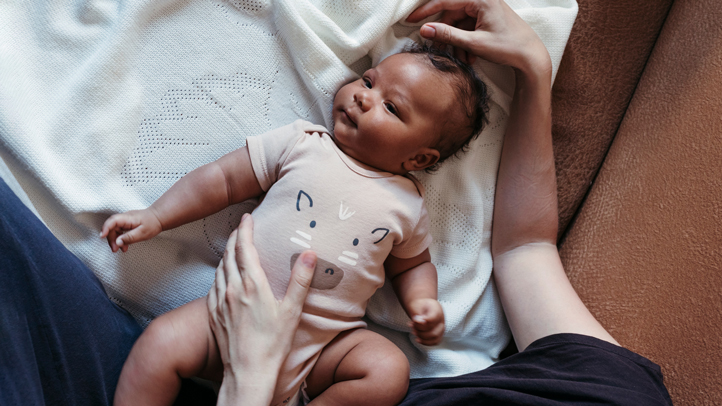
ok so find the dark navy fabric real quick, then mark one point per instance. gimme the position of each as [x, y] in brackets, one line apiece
[62, 341]
[562, 369]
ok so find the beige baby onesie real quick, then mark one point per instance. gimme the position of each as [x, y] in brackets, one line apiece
[353, 216]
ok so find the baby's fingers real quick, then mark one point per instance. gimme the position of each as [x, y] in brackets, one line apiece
[420, 323]
[112, 228]
[132, 236]
[111, 235]
[107, 226]
[432, 336]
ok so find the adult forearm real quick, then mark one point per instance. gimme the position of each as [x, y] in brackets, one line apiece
[198, 194]
[536, 294]
[525, 208]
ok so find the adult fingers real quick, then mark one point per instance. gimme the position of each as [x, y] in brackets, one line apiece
[437, 6]
[469, 41]
[248, 261]
[215, 299]
[301, 277]
[219, 284]
[452, 17]
[212, 301]
[466, 24]
[231, 271]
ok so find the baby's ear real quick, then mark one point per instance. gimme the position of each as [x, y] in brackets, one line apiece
[423, 159]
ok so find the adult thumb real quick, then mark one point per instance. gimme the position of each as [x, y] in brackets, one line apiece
[446, 34]
[301, 277]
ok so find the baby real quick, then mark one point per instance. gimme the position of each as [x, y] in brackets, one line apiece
[347, 195]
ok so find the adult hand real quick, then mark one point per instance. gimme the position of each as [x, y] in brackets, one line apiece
[489, 29]
[253, 330]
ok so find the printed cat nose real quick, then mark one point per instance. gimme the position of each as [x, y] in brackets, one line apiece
[326, 276]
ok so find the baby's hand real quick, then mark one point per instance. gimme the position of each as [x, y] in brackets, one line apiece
[427, 320]
[130, 227]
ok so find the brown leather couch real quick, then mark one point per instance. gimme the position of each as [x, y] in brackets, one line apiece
[637, 113]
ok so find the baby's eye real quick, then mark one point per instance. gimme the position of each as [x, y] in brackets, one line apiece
[391, 108]
[367, 83]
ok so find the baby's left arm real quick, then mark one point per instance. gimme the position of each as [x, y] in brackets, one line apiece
[415, 283]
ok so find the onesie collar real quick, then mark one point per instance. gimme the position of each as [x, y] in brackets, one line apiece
[356, 165]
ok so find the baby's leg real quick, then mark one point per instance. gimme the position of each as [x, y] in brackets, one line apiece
[359, 367]
[178, 344]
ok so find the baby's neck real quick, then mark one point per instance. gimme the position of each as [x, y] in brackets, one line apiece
[360, 161]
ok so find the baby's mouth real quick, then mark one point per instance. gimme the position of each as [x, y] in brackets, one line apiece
[348, 117]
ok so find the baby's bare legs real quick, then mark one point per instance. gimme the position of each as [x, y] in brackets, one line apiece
[359, 367]
[178, 344]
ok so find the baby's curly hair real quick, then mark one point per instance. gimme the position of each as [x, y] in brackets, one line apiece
[471, 93]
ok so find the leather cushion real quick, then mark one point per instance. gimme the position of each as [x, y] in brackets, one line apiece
[645, 252]
[604, 58]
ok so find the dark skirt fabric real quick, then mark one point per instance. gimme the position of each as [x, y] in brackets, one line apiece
[562, 369]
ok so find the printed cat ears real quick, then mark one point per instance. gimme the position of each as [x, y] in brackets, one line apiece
[344, 213]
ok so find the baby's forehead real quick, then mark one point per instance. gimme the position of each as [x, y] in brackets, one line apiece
[440, 78]
[439, 86]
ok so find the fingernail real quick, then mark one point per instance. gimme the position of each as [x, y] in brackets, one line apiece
[245, 216]
[427, 31]
[309, 260]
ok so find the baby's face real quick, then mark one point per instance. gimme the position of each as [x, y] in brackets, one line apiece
[392, 117]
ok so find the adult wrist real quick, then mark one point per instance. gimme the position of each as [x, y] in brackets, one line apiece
[536, 69]
[244, 388]
[533, 83]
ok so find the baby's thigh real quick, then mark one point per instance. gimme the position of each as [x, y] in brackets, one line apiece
[360, 355]
[184, 336]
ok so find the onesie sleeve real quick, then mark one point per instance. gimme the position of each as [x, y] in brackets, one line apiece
[269, 151]
[418, 239]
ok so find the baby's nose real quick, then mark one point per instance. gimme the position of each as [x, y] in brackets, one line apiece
[364, 100]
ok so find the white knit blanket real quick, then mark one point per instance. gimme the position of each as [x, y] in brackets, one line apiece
[104, 104]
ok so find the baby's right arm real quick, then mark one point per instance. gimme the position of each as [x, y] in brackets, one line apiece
[202, 192]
